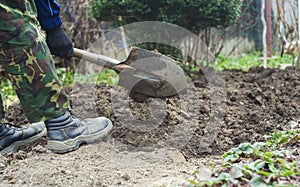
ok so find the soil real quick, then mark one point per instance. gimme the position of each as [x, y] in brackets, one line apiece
[161, 141]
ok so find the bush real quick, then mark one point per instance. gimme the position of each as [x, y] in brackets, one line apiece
[190, 14]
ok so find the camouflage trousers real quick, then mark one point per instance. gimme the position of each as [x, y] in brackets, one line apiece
[27, 61]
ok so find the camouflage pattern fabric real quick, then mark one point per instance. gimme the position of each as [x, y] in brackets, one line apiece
[26, 59]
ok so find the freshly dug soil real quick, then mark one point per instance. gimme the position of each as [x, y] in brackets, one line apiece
[205, 121]
[257, 102]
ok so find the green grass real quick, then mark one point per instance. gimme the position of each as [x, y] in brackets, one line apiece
[8, 93]
[246, 61]
[68, 78]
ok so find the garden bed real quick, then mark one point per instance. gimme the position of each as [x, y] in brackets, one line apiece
[188, 130]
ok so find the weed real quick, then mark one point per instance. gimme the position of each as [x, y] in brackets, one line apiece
[259, 164]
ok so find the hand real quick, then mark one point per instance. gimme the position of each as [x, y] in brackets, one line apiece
[59, 43]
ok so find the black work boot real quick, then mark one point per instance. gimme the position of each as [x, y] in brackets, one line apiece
[12, 138]
[66, 133]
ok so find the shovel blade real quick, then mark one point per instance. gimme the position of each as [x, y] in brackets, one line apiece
[154, 74]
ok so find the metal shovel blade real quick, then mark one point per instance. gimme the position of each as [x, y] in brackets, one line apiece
[156, 75]
[144, 72]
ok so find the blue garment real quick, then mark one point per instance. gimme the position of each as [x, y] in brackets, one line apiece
[48, 14]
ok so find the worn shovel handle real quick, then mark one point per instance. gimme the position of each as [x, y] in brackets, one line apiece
[101, 60]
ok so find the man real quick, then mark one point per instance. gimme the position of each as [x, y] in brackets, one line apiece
[26, 59]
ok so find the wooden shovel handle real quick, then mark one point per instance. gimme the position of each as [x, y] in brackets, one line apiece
[101, 60]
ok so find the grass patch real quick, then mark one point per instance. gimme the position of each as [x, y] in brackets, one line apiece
[8, 93]
[69, 77]
[246, 61]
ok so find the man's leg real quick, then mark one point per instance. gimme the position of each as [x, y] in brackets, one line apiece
[12, 21]
[27, 61]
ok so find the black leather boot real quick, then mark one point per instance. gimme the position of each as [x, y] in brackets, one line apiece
[66, 133]
[12, 138]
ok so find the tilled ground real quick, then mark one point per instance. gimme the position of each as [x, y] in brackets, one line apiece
[216, 113]
[252, 105]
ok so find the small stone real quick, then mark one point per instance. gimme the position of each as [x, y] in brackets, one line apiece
[185, 114]
[145, 173]
[228, 140]
[126, 177]
[178, 158]
[21, 155]
[293, 124]
[204, 174]
[204, 148]
[39, 149]
[12, 181]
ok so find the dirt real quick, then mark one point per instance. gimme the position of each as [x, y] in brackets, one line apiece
[161, 141]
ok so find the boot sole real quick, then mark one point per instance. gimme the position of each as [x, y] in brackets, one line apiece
[14, 147]
[73, 144]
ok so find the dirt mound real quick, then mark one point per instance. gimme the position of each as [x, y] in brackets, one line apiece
[255, 103]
